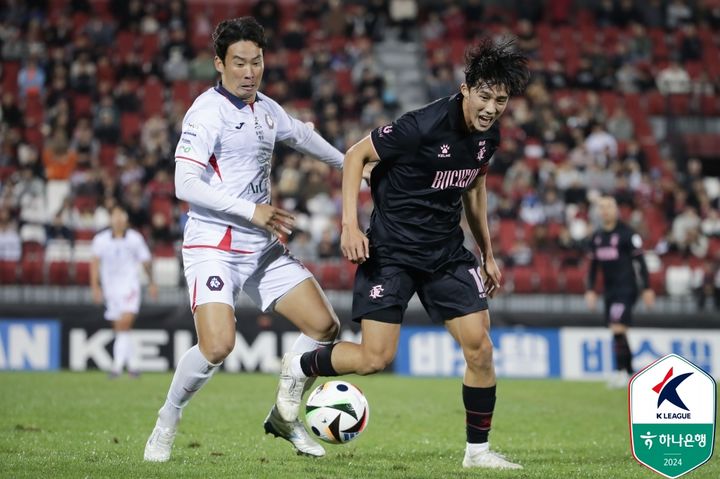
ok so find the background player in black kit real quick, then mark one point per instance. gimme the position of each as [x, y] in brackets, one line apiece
[432, 162]
[618, 250]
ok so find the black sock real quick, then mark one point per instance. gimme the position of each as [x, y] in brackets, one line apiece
[623, 355]
[479, 407]
[318, 362]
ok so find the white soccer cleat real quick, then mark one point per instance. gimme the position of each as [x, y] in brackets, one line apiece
[489, 460]
[290, 391]
[294, 433]
[159, 444]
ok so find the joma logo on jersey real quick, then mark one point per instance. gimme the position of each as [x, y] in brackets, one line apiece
[215, 283]
[444, 151]
[667, 391]
[376, 291]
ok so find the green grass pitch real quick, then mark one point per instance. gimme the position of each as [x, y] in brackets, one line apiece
[82, 425]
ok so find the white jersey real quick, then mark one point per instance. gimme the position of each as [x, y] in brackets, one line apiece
[233, 143]
[119, 260]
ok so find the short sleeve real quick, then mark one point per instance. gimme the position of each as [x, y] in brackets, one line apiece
[142, 252]
[197, 141]
[400, 138]
[96, 247]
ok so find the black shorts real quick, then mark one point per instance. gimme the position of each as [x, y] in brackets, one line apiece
[618, 309]
[382, 292]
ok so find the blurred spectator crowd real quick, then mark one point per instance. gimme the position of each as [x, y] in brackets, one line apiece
[93, 94]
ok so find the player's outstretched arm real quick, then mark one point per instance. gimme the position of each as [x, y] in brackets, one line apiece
[95, 280]
[475, 203]
[353, 243]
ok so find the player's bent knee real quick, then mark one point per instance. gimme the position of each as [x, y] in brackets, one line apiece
[374, 363]
[216, 352]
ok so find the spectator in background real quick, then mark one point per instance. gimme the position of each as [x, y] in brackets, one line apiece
[677, 13]
[303, 246]
[83, 73]
[10, 244]
[59, 160]
[202, 67]
[690, 45]
[601, 145]
[674, 79]
[707, 284]
[620, 125]
[403, 13]
[106, 121]
[10, 113]
[31, 79]
[442, 82]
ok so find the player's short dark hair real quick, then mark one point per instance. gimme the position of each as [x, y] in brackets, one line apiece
[234, 30]
[496, 63]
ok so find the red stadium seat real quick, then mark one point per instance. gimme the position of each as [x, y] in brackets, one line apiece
[524, 280]
[82, 273]
[574, 280]
[59, 273]
[153, 97]
[8, 272]
[31, 271]
[10, 70]
[130, 124]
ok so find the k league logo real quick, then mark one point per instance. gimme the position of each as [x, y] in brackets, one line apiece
[672, 416]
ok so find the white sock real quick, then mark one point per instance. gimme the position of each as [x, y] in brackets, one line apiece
[475, 448]
[192, 372]
[122, 349]
[303, 344]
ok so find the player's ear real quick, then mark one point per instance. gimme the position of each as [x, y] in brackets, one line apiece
[219, 66]
[464, 90]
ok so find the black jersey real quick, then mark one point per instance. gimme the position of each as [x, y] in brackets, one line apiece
[428, 158]
[619, 253]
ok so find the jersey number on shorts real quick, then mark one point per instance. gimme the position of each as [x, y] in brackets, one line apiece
[476, 273]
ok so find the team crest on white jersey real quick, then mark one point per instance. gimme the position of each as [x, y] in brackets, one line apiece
[269, 121]
[444, 151]
[376, 291]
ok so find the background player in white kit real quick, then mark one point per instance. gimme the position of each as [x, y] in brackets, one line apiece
[231, 239]
[114, 276]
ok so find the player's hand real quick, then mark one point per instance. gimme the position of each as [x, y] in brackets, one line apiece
[591, 299]
[492, 276]
[97, 295]
[648, 297]
[354, 244]
[152, 290]
[276, 221]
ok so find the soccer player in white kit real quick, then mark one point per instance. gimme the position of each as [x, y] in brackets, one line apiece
[230, 244]
[118, 252]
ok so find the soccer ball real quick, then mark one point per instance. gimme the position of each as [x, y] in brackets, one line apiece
[336, 412]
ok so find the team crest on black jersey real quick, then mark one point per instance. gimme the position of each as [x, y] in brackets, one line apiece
[481, 153]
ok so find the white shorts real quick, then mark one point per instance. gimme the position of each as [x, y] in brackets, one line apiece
[119, 302]
[216, 276]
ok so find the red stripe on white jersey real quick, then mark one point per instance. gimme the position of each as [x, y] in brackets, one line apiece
[214, 164]
[225, 244]
[190, 159]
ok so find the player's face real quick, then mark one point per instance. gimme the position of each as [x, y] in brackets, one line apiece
[608, 210]
[118, 220]
[483, 105]
[242, 70]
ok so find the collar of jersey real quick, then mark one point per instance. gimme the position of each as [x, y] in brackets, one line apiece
[455, 114]
[239, 104]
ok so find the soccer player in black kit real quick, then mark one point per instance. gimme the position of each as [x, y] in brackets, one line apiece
[617, 249]
[431, 163]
